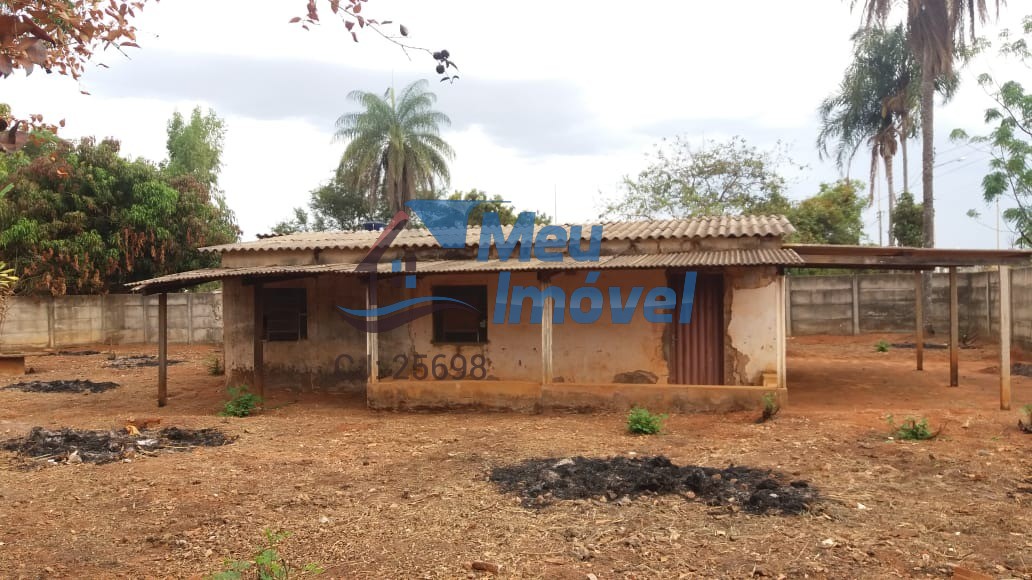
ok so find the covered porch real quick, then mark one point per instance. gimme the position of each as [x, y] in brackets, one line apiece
[921, 260]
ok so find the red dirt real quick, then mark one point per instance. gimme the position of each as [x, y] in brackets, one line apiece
[391, 495]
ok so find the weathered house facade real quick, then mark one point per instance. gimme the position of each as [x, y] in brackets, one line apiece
[505, 323]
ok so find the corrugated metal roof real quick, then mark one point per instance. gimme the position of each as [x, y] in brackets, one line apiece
[699, 227]
[754, 257]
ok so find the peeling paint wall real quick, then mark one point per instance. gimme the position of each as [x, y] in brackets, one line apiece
[304, 364]
[581, 353]
[512, 352]
[596, 353]
[751, 306]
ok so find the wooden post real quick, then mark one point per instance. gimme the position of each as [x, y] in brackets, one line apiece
[162, 349]
[1005, 339]
[856, 305]
[954, 330]
[782, 330]
[259, 341]
[548, 306]
[919, 319]
[788, 305]
[372, 341]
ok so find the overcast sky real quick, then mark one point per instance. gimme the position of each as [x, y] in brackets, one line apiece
[557, 101]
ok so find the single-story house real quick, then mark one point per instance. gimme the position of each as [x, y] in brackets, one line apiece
[682, 314]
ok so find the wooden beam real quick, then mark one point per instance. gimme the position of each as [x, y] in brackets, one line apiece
[908, 262]
[954, 330]
[162, 348]
[372, 338]
[1005, 339]
[259, 342]
[919, 318]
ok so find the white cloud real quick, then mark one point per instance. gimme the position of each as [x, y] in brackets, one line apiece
[556, 103]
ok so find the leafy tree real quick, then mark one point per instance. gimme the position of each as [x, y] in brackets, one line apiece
[394, 147]
[715, 178]
[936, 34]
[906, 227]
[333, 207]
[1010, 142]
[882, 73]
[79, 218]
[63, 35]
[195, 147]
[506, 213]
[833, 216]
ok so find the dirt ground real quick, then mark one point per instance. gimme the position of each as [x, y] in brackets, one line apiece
[404, 495]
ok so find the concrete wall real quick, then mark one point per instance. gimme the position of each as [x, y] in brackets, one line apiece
[67, 321]
[885, 303]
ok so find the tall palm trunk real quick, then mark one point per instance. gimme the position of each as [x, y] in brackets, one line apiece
[892, 195]
[928, 153]
[904, 132]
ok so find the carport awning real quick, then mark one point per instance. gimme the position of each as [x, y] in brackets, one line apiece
[696, 259]
[878, 257]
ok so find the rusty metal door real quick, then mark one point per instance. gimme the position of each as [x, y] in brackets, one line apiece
[699, 345]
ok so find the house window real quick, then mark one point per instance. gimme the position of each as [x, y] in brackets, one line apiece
[461, 324]
[285, 314]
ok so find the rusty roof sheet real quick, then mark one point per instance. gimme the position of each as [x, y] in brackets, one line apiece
[688, 228]
[695, 259]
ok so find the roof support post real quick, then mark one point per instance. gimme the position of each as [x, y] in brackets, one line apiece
[372, 338]
[782, 330]
[954, 330]
[547, 308]
[259, 341]
[919, 318]
[1005, 338]
[162, 348]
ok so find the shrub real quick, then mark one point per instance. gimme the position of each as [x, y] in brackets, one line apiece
[215, 367]
[770, 407]
[911, 429]
[882, 346]
[1025, 424]
[641, 422]
[241, 403]
[267, 564]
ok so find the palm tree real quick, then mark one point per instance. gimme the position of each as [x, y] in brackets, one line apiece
[872, 106]
[394, 146]
[936, 28]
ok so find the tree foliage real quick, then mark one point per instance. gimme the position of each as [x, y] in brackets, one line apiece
[79, 218]
[394, 146]
[507, 214]
[61, 35]
[907, 222]
[833, 216]
[334, 206]
[1010, 141]
[937, 33]
[195, 147]
[714, 178]
[350, 12]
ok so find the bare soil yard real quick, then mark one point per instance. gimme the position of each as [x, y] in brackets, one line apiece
[391, 495]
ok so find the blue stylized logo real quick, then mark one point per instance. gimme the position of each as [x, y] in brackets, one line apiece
[447, 220]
